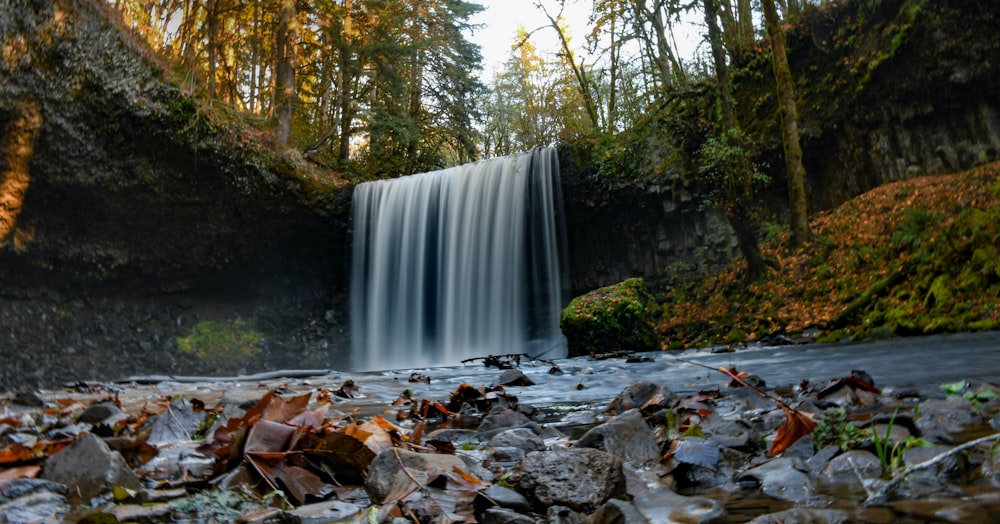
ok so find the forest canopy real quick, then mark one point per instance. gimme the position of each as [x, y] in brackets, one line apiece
[382, 88]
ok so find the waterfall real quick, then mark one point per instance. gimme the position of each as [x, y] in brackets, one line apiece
[459, 263]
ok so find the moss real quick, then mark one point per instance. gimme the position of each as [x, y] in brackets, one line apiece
[211, 340]
[612, 318]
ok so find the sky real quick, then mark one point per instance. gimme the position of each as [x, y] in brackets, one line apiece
[501, 18]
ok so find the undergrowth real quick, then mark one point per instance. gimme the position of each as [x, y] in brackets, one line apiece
[919, 256]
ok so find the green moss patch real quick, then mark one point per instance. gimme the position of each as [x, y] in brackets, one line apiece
[613, 318]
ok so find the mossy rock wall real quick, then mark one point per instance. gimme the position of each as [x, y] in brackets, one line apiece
[619, 317]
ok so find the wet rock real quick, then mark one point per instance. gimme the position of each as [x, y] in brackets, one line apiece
[643, 395]
[386, 476]
[664, 506]
[803, 449]
[507, 456]
[323, 512]
[698, 465]
[731, 433]
[562, 515]
[99, 412]
[939, 418]
[521, 438]
[513, 377]
[991, 469]
[943, 510]
[579, 478]
[847, 467]
[456, 437]
[89, 467]
[783, 479]
[42, 507]
[742, 403]
[818, 461]
[953, 466]
[502, 418]
[504, 516]
[140, 512]
[697, 452]
[499, 496]
[625, 436]
[616, 511]
[804, 516]
[17, 488]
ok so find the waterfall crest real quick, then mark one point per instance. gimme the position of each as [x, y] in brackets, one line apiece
[459, 263]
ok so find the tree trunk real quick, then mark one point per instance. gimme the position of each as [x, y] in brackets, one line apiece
[284, 87]
[743, 224]
[212, 21]
[789, 126]
[740, 216]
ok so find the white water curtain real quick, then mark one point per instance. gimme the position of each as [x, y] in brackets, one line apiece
[458, 263]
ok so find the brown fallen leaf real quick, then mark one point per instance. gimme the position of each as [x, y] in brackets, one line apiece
[20, 472]
[796, 426]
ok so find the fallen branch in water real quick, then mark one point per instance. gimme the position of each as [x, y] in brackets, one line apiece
[880, 497]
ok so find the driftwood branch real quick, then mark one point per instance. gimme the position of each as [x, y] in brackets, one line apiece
[880, 497]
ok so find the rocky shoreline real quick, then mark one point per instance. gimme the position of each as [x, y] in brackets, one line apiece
[318, 449]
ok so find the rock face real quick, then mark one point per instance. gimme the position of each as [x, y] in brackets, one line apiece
[908, 94]
[118, 194]
[126, 181]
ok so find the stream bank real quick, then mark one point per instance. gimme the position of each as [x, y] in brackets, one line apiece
[657, 433]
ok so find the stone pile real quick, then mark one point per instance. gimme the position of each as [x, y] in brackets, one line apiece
[648, 456]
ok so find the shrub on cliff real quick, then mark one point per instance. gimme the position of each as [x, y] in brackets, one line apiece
[612, 318]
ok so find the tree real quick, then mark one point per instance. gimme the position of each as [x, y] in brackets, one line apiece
[729, 158]
[796, 172]
[286, 38]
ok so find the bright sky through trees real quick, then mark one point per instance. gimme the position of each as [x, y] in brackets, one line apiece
[500, 20]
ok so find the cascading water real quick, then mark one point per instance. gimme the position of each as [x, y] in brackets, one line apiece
[459, 263]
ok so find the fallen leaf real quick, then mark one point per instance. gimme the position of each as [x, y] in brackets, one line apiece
[349, 390]
[796, 426]
[20, 472]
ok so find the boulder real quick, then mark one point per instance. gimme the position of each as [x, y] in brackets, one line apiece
[663, 506]
[643, 395]
[502, 418]
[620, 317]
[783, 479]
[522, 438]
[851, 467]
[804, 516]
[88, 467]
[625, 436]
[581, 479]
[616, 511]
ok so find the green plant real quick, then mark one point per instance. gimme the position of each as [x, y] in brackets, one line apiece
[882, 442]
[210, 339]
[891, 455]
[911, 228]
[834, 429]
[975, 397]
